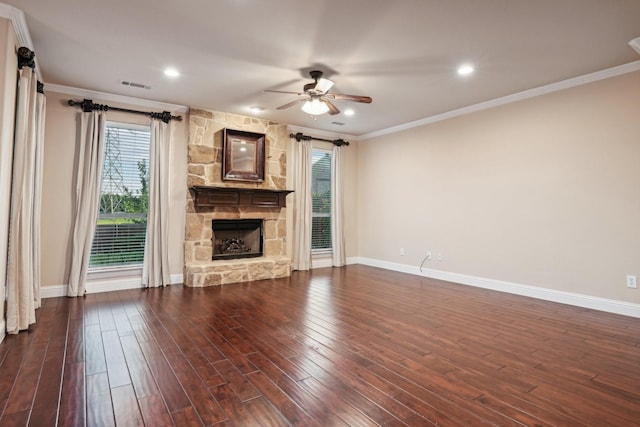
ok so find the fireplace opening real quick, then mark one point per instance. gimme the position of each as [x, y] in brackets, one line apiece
[236, 238]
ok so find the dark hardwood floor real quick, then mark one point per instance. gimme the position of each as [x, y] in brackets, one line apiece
[353, 346]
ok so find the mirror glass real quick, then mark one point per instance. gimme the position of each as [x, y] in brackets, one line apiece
[243, 155]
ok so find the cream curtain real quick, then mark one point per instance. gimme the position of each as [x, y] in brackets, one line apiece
[23, 261]
[302, 188]
[337, 211]
[90, 161]
[155, 270]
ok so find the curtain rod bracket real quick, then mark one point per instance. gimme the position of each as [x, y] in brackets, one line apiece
[302, 137]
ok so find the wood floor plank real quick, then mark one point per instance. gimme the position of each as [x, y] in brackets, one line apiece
[49, 385]
[18, 346]
[315, 405]
[23, 392]
[73, 397]
[99, 400]
[169, 385]
[187, 417]
[125, 406]
[196, 358]
[236, 410]
[265, 414]
[17, 419]
[117, 367]
[94, 350]
[283, 403]
[141, 377]
[205, 404]
[154, 411]
[345, 346]
[243, 388]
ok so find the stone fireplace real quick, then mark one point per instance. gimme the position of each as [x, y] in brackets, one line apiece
[208, 202]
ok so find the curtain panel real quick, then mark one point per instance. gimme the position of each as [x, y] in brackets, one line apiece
[303, 210]
[23, 260]
[155, 271]
[337, 209]
[89, 165]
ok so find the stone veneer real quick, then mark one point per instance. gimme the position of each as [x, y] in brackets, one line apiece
[205, 168]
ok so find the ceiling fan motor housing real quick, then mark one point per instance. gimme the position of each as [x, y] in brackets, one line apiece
[315, 75]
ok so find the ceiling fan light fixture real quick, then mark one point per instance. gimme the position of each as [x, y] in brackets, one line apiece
[323, 85]
[315, 107]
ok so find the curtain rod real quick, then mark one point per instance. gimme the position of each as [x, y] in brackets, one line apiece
[88, 106]
[301, 137]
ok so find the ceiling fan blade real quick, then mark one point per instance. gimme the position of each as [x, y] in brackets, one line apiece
[284, 91]
[356, 98]
[333, 110]
[291, 104]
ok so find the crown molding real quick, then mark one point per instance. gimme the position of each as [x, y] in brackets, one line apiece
[19, 24]
[542, 90]
[110, 97]
[16, 16]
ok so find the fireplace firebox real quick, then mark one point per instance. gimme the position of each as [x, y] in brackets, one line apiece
[236, 238]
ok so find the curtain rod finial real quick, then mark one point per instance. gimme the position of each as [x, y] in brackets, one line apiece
[26, 57]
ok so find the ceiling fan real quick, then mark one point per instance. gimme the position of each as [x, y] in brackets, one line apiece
[317, 99]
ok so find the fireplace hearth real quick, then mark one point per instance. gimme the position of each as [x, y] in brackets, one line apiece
[237, 238]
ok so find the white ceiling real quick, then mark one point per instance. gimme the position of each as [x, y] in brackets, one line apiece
[402, 53]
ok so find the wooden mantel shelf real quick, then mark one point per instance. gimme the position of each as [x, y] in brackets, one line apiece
[206, 196]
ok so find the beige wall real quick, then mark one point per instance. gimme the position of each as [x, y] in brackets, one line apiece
[8, 78]
[58, 182]
[542, 192]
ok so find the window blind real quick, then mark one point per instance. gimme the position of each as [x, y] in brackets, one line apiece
[321, 200]
[122, 223]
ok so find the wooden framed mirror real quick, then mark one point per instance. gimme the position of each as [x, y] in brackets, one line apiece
[243, 156]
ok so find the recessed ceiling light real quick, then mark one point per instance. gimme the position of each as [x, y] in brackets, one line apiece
[465, 69]
[171, 72]
[256, 109]
[349, 112]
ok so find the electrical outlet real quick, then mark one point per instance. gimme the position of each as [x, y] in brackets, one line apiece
[439, 256]
[428, 255]
[631, 282]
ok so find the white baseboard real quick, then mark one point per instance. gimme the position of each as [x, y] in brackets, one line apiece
[328, 262]
[103, 285]
[579, 300]
[53, 291]
[3, 329]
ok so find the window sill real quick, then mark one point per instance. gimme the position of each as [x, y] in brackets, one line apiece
[321, 253]
[98, 273]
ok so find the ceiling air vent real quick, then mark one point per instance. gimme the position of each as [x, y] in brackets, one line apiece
[132, 84]
[337, 123]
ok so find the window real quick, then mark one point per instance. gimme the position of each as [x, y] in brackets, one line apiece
[321, 200]
[124, 197]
